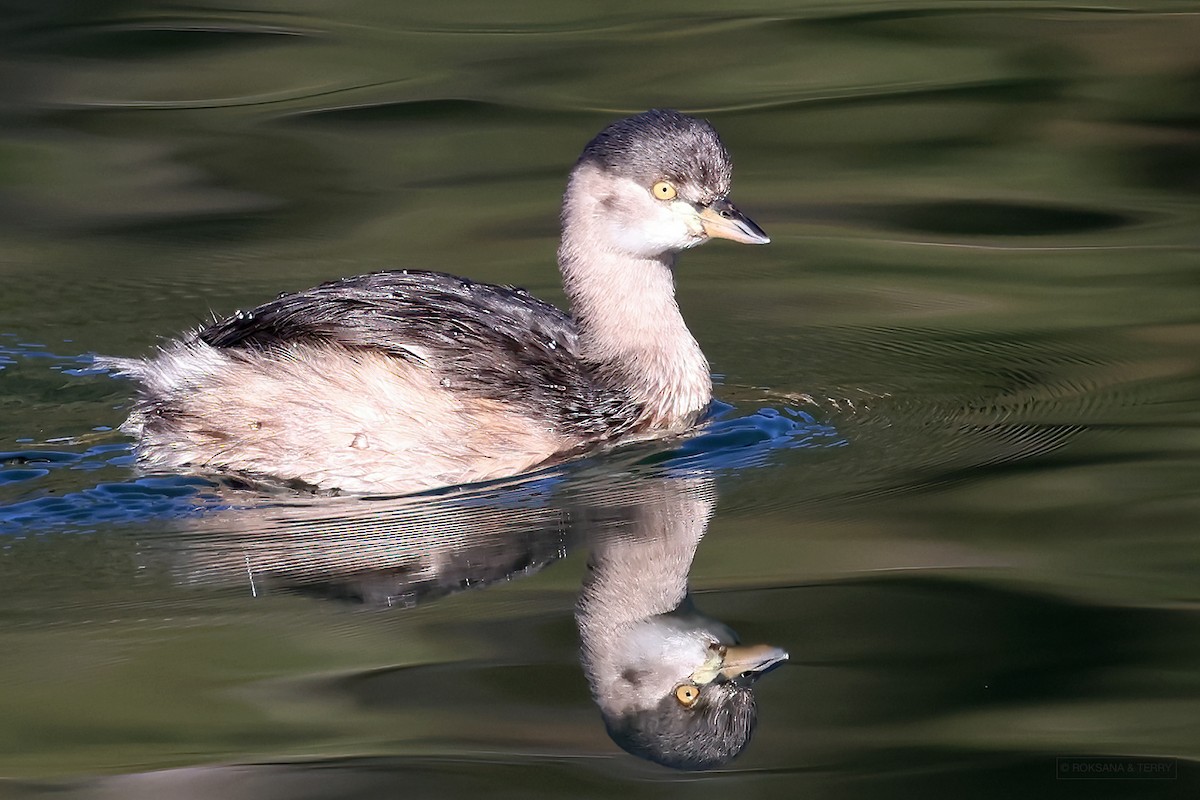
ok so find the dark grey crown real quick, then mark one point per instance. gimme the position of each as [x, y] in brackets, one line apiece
[662, 144]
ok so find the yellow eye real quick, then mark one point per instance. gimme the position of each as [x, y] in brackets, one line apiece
[664, 191]
[687, 695]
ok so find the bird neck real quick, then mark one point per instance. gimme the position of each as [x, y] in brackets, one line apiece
[637, 575]
[628, 320]
[641, 570]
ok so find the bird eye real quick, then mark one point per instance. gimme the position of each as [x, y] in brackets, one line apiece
[687, 695]
[664, 191]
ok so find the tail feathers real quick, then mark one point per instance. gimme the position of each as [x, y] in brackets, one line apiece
[122, 367]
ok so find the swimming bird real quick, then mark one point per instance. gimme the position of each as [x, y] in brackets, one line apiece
[401, 381]
[674, 686]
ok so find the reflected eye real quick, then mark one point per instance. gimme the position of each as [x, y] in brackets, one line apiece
[664, 191]
[687, 695]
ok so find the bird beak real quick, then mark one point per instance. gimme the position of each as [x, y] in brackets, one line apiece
[742, 663]
[721, 220]
[748, 662]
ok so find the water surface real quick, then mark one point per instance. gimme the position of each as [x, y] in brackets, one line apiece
[954, 473]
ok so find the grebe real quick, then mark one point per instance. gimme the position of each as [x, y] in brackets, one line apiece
[402, 381]
[674, 686]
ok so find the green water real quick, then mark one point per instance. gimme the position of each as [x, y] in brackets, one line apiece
[958, 481]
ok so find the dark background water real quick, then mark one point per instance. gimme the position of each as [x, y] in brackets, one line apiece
[957, 481]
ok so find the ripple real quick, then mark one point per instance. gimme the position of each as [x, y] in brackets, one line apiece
[439, 111]
[993, 218]
[79, 481]
[733, 441]
[19, 475]
[136, 500]
[162, 39]
[944, 406]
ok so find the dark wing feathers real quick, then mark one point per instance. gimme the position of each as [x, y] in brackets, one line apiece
[490, 341]
[385, 310]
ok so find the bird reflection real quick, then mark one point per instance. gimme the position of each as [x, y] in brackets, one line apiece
[673, 685]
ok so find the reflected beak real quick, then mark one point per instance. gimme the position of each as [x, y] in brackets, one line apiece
[740, 663]
[749, 662]
[722, 220]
